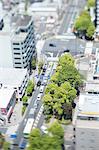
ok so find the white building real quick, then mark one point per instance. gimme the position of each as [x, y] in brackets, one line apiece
[86, 123]
[16, 79]
[7, 103]
[46, 8]
[17, 42]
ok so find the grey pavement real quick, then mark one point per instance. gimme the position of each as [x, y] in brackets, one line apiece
[68, 137]
[76, 46]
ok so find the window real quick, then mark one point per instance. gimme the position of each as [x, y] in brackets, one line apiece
[18, 67]
[16, 48]
[16, 53]
[17, 62]
[15, 43]
[17, 58]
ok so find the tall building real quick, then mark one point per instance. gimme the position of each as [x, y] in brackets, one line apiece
[97, 14]
[18, 34]
[86, 123]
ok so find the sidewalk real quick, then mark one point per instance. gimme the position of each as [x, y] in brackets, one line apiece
[16, 115]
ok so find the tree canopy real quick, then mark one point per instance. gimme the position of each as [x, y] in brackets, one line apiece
[83, 24]
[52, 141]
[61, 91]
[90, 3]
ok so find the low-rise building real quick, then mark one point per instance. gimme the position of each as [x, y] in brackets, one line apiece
[7, 103]
[86, 123]
[12, 78]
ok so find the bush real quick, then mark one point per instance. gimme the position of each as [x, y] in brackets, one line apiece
[23, 109]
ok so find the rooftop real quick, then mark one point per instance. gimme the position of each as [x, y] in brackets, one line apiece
[19, 37]
[12, 77]
[21, 20]
[5, 96]
[89, 104]
[92, 86]
[87, 124]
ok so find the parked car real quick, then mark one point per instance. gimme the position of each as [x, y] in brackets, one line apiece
[52, 45]
[22, 144]
[39, 83]
[39, 97]
[42, 89]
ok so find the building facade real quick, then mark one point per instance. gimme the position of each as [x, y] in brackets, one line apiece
[18, 34]
[23, 42]
[86, 123]
[7, 103]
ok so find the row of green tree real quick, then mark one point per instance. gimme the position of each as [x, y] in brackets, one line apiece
[3, 144]
[84, 26]
[54, 139]
[28, 93]
[61, 91]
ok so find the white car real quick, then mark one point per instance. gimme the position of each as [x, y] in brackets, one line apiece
[42, 89]
[44, 129]
[39, 97]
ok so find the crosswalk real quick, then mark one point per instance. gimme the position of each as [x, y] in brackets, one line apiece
[38, 117]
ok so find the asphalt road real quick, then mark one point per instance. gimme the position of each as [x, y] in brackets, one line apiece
[23, 123]
[76, 46]
[70, 10]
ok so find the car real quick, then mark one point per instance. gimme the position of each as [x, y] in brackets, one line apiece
[39, 97]
[39, 83]
[42, 89]
[22, 144]
[44, 129]
[44, 82]
[67, 50]
[35, 105]
[52, 45]
[32, 112]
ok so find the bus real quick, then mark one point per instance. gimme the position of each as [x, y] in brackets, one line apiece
[28, 127]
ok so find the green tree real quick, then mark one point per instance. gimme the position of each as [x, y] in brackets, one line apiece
[25, 99]
[23, 109]
[40, 66]
[90, 30]
[39, 141]
[66, 59]
[1, 140]
[56, 130]
[34, 64]
[26, 5]
[90, 3]
[51, 88]
[6, 146]
[30, 88]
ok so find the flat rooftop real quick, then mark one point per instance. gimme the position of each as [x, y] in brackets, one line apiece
[5, 96]
[87, 124]
[19, 37]
[12, 77]
[89, 104]
[92, 86]
[20, 20]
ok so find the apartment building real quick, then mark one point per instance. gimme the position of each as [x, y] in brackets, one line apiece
[97, 14]
[86, 123]
[17, 42]
[23, 41]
